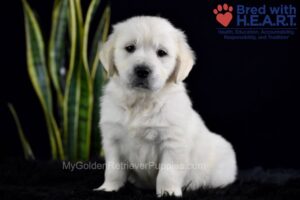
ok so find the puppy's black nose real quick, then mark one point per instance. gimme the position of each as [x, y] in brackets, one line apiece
[142, 71]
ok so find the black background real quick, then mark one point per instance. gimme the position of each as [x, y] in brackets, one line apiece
[247, 91]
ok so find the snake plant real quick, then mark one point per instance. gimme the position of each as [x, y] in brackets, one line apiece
[68, 76]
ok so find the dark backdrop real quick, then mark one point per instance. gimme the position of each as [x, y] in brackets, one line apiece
[247, 91]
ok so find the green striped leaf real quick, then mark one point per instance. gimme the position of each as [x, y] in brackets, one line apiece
[78, 103]
[72, 93]
[57, 47]
[36, 58]
[84, 106]
[90, 14]
[86, 95]
[97, 90]
[85, 110]
[37, 69]
[98, 78]
[99, 37]
[78, 99]
[25, 144]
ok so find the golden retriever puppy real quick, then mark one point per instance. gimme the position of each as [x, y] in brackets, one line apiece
[151, 135]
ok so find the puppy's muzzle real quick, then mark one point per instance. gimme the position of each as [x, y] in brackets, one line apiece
[142, 71]
[141, 76]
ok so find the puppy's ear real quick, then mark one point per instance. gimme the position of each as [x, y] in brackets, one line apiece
[106, 55]
[185, 58]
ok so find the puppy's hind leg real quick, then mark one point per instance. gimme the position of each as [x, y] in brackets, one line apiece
[224, 173]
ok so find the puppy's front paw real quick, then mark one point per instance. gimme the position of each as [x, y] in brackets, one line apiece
[171, 191]
[108, 187]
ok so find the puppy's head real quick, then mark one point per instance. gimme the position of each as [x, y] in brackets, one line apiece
[147, 52]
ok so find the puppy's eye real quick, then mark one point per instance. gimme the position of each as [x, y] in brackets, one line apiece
[161, 53]
[130, 48]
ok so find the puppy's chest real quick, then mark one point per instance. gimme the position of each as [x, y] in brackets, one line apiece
[143, 120]
[143, 158]
[138, 150]
[143, 124]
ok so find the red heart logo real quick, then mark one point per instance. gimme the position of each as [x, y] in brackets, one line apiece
[224, 19]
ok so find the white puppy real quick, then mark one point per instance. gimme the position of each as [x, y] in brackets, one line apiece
[151, 135]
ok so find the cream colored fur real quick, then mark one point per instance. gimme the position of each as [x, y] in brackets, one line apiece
[156, 126]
